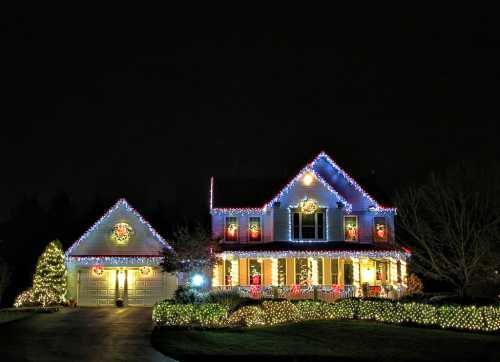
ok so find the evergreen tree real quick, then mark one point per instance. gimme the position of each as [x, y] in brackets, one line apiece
[49, 281]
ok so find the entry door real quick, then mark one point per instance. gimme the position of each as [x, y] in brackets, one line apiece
[145, 290]
[97, 289]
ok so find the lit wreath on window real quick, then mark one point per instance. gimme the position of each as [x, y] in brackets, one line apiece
[145, 270]
[308, 206]
[122, 233]
[98, 270]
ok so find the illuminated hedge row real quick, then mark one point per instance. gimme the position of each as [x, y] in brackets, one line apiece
[272, 313]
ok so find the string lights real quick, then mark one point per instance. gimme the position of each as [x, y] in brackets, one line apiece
[115, 260]
[341, 254]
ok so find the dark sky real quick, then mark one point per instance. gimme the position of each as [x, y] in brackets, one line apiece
[144, 110]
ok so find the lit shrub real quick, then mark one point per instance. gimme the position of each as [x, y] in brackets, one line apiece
[210, 315]
[280, 312]
[25, 299]
[367, 309]
[423, 314]
[248, 316]
[173, 315]
[456, 317]
[491, 318]
[309, 310]
[344, 309]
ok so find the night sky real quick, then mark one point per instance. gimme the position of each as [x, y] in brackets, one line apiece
[149, 110]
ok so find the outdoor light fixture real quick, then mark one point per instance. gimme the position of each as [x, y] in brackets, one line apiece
[197, 280]
[308, 179]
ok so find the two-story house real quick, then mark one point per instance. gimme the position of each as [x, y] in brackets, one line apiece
[322, 229]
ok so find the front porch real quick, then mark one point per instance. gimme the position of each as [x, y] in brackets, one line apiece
[320, 277]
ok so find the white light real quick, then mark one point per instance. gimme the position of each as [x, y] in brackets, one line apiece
[197, 280]
[308, 179]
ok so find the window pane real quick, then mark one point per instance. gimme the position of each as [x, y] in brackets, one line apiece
[320, 271]
[308, 226]
[320, 220]
[282, 271]
[381, 270]
[254, 229]
[296, 225]
[348, 273]
[227, 272]
[335, 271]
[351, 228]
[301, 271]
[380, 229]
[231, 229]
[255, 272]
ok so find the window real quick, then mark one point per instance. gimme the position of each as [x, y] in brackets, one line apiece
[335, 271]
[381, 267]
[320, 271]
[380, 229]
[348, 273]
[231, 229]
[302, 271]
[351, 228]
[227, 272]
[308, 226]
[254, 229]
[255, 271]
[282, 271]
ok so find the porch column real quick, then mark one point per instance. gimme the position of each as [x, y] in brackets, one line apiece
[404, 273]
[216, 274]
[314, 270]
[235, 274]
[393, 272]
[274, 271]
[356, 276]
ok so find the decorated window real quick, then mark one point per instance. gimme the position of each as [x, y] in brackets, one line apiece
[334, 269]
[282, 271]
[231, 229]
[351, 228]
[255, 271]
[302, 271]
[254, 229]
[320, 271]
[121, 233]
[307, 226]
[380, 229]
[227, 272]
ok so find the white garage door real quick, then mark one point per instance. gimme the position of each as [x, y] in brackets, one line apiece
[146, 289]
[96, 290]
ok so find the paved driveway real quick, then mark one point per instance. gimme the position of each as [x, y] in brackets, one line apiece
[82, 334]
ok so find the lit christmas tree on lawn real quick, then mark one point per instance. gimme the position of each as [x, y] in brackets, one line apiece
[49, 281]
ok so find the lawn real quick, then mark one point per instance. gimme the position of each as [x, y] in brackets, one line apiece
[12, 315]
[324, 340]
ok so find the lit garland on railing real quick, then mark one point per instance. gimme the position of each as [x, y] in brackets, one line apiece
[114, 260]
[396, 254]
[120, 202]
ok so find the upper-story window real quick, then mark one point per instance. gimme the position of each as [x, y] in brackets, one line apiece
[351, 228]
[254, 229]
[231, 229]
[308, 226]
[380, 229]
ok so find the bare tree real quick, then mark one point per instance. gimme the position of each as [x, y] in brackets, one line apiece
[453, 225]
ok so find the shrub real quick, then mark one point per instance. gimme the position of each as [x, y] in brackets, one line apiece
[280, 312]
[309, 310]
[415, 285]
[248, 316]
[230, 299]
[178, 315]
[210, 315]
[25, 299]
[187, 295]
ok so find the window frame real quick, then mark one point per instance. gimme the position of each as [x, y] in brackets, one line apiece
[375, 239]
[248, 229]
[237, 238]
[357, 226]
[323, 237]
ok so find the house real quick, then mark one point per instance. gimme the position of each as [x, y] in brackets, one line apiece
[118, 257]
[321, 233]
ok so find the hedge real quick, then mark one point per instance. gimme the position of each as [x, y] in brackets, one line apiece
[470, 318]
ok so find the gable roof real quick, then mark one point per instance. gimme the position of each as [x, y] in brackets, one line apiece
[323, 167]
[96, 241]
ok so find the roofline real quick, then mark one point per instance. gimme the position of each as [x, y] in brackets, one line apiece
[106, 215]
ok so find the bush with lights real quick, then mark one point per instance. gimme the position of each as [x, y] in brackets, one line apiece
[248, 316]
[49, 281]
[210, 315]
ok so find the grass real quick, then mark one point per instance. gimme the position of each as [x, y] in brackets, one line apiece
[12, 316]
[324, 340]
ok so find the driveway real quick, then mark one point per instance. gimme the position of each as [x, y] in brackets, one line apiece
[82, 334]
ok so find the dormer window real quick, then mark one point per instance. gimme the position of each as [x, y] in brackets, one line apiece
[254, 229]
[351, 228]
[231, 229]
[380, 229]
[307, 226]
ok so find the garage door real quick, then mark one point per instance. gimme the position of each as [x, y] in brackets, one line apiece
[96, 290]
[146, 289]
